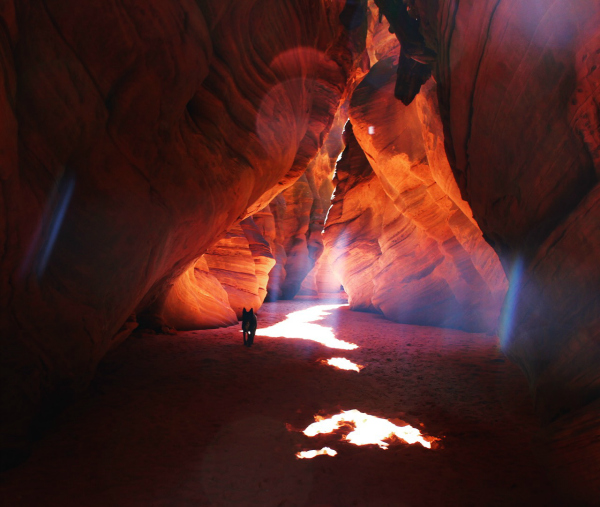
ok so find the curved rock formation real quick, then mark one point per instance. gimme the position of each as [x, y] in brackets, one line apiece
[135, 134]
[299, 217]
[413, 253]
[354, 223]
[231, 262]
[140, 133]
[232, 275]
[519, 88]
[197, 300]
[262, 255]
[294, 219]
[391, 135]
[266, 224]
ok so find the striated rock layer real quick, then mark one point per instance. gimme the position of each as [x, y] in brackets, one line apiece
[354, 223]
[265, 222]
[197, 300]
[519, 94]
[264, 261]
[135, 134]
[139, 134]
[390, 262]
[298, 218]
[241, 262]
[232, 275]
[392, 137]
[293, 219]
[404, 245]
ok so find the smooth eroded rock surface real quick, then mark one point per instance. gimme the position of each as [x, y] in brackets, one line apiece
[231, 262]
[141, 131]
[299, 215]
[197, 300]
[264, 261]
[404, 247]
[519, 88]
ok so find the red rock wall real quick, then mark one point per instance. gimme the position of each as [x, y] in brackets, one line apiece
[518, 89]
[293, 217]
[140, 133]
[230, 276]
[231, 262]
[197, 300]
[299, 214]
[264, 261]
[396, 252]
[354, 223]
[409, 246]
[134, 135]
[453, 250]
[266, 223]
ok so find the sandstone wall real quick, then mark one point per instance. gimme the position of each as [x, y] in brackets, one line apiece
[264, 261]
[354, 223]
[518, 89]
[298, 218]
[133, 135]
[230, 276]
[392, 243]
[409, 247]
[231, 262]
[197, 300]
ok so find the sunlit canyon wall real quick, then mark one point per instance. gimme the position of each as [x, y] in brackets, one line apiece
[402, 240]
[138, 140]
[134, 136]
[299, 215]
[230, 276]
[518, 89]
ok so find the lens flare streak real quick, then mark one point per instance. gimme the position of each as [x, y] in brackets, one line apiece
[509, 309]
[368, 429]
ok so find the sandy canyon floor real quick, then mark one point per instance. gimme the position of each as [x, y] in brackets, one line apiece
[197, 419]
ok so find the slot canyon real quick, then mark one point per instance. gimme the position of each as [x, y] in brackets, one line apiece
[405, 193]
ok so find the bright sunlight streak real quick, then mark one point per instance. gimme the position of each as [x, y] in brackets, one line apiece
[327, 451]
[343, 364]
[300, 325]
[368, 429]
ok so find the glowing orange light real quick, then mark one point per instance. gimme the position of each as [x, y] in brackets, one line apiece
[368, 429]
[300, 325]
[326, 451]
[344, 364]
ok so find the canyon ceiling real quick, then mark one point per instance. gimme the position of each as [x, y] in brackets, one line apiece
[164, 164]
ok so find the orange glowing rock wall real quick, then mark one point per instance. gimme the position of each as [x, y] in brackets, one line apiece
[297, 224]
[518, 89]
[232, 275]
[197, 300]
[266, 223]
[293, 217]
[404, 242]
[264, 261]
[241, 262]
[232, 263]
[404, 246]
[133, 136]
[354, 223]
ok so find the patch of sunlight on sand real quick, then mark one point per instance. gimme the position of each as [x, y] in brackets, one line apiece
[301, 325]
[326, 451]
[368, 429]
[343, 364]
